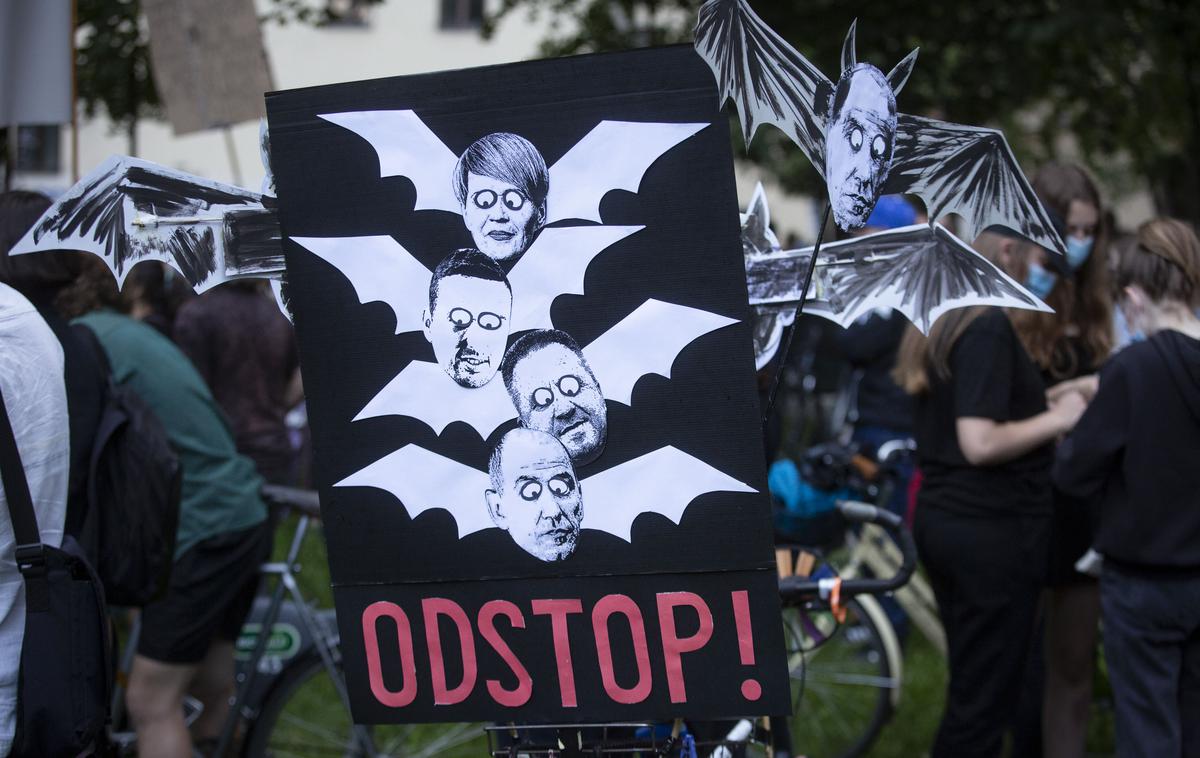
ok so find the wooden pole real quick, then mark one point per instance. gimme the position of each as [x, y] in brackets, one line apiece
[74, 97]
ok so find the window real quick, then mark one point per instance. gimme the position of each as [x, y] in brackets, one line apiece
[461, 14]
[38, 149]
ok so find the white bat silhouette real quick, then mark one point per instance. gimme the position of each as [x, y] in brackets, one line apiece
[613, 155]
[664, 481]
[381, 269]
[647, 341]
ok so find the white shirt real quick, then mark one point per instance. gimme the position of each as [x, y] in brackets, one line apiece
[31, 378]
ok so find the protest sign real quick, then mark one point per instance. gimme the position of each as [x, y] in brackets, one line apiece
[523, 321]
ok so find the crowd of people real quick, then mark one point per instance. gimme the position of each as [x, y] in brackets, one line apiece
[1052, 448]
[220, 372]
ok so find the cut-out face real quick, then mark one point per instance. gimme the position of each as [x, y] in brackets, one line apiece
[502, 219]
[555, 392]
[858, 144]
[536, 497]
[468, 327]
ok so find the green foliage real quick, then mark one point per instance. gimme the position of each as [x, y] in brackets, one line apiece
[1122, 80]
[112, 54]
[112, 61]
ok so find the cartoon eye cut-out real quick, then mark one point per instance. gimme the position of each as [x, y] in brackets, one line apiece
[484, 198]
[877, 147]
[460, 317]
[514, 200]
[530, 491]
[490, 321]
[569, 385]
[561, 485]
[542, 397]
[856, 138]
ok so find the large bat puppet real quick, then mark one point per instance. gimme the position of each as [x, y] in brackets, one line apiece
[851, 132]
[130, 210]
[664, 481]
[647, 341]
[919, 270]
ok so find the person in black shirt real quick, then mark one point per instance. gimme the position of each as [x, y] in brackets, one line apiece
[985, 445]
[1135, 452]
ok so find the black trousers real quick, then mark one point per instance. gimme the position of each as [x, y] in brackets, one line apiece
[987, 574]
[1152, 646]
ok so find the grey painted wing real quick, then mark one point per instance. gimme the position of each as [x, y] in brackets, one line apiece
[923, 272]
[970, 171]
[768, 80]
[129, 210]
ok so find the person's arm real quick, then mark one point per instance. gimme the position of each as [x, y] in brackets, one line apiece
[986, 442]
[1084, 385]
[985, 365]
[1087, 457]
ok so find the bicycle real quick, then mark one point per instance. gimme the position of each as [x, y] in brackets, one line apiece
[291, 693]
[805, 598]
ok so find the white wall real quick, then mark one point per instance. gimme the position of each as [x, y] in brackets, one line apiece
[402, 37]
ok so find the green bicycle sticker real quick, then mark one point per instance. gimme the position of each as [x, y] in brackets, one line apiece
[284, 641]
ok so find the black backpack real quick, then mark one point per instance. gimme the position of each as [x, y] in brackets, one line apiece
[133, 488]
[65, 673]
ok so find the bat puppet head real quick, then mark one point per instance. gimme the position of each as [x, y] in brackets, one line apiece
[555, 391]
[467, 323]
[534, 494]
[501, 182]
[860, 135]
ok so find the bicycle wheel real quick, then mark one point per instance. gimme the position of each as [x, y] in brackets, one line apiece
[304, 717]
[842, 680]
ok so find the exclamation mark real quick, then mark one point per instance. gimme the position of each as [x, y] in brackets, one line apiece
[751, 689]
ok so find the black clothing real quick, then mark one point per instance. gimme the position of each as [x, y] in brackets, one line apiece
[1137, 451]
[870, 345]
[991, 376]
[986, 574]
[1071, 535]
[1152, 645]
[212, 588]
[85, 380]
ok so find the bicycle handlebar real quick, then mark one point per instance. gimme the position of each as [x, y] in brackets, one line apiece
[304, 501]
[797, 589]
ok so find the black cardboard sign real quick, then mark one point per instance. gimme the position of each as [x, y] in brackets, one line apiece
[523, 322]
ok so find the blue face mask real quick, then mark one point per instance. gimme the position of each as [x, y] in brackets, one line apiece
[1039, 281]
[1078, 250]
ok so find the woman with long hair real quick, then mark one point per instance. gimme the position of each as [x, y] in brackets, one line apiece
[1070, 343]
[985, 435]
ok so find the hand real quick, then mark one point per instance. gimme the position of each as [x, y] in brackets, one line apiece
[1067, 409]
[1084, 385]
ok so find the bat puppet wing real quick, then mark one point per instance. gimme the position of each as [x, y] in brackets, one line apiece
[665, 482]
[130, 210]
[769, 82]
[970, 171]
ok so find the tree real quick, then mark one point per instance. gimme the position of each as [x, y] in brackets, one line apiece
[113, 72]
[1121, 80]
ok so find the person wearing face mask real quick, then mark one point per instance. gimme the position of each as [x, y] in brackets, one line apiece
[1133, 455]
[985, 430]
[1069, 346]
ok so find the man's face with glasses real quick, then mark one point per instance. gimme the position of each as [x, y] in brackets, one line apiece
[556, 393]
[468, 328]
[501, 218]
